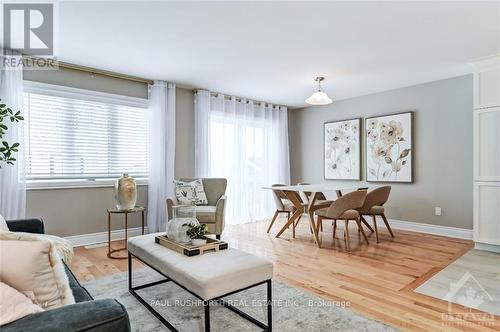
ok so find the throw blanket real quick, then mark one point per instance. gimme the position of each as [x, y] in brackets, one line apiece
[63, 246]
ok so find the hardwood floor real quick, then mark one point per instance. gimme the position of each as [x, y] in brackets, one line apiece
[377, 280]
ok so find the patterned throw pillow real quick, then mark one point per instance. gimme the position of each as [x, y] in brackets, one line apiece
[190, 193]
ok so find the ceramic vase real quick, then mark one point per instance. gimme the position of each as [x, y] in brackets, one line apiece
[125, 192]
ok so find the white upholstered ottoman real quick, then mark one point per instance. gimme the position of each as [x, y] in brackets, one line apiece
[209, 277]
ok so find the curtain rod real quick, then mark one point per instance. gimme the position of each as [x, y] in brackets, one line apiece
[90, 70]
[239, 99]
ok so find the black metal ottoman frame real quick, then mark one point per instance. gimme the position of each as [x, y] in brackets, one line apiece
[206, 303]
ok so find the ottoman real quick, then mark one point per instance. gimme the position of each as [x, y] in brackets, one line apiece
[209, 277]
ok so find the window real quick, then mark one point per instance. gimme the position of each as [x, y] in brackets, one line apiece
[83, 135]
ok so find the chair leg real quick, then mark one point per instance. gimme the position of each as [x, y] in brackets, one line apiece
[273, 220]
[375, 226]
[387, 224]
[295, 225]
[346, 232]
[319, 221]
[321, 227]
[360, 229]
[334, 227]
[366, 223]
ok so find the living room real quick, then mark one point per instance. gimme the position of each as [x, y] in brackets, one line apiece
[286, 165]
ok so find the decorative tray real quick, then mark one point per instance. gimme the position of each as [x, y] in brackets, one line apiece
[212, 245]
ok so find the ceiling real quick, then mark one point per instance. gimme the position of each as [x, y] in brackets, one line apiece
[272, 51]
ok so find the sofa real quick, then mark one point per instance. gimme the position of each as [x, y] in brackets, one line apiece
[86, 314]
[211, 214]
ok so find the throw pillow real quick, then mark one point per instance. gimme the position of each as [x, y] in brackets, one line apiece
[15, 305]
[35, 269]
[190, 193]
[3, 224]
[64, 247]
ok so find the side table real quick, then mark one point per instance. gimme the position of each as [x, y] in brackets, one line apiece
[138, 209]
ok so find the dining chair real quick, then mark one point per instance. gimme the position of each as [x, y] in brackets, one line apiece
[344, 208]
[373, 206]
[283, 205]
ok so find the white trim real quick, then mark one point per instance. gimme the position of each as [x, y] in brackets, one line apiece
[102, 237]
[461, 233]
[83, 94]
[476, 159]
[487, 247]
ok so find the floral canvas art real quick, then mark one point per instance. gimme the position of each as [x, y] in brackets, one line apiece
[389, 148]
[342, 151]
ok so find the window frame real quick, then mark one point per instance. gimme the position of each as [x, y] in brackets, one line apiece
[77, 93]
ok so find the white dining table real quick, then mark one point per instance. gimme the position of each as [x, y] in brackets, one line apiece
[317, 200]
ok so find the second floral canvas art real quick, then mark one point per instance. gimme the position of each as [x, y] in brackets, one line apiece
[389, 149]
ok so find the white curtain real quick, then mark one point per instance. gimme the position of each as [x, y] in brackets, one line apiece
[161, 152]
[247, 143]
[12, 177]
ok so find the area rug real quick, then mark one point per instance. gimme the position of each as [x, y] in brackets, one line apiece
[293, 309]
[473, 281]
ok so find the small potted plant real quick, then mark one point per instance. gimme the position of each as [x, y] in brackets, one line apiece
[197, 234]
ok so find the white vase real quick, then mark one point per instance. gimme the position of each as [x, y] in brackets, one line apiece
[125, 192]
[198, 242]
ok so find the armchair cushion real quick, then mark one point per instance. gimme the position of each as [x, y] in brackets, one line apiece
[206, 213]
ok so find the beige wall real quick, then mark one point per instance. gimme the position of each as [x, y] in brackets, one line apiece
[68, 212]
[443, 148]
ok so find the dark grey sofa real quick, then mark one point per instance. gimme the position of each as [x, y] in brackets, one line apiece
[86, 314]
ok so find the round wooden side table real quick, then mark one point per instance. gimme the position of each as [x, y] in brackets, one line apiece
[138, 209]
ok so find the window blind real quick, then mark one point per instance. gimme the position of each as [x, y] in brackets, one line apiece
[71, 138]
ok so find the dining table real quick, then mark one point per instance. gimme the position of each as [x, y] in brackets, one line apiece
[316, 200]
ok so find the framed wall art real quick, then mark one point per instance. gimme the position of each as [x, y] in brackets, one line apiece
[389, 148]
[342, 150]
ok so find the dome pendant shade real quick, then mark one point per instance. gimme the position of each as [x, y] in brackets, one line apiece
[319, 97]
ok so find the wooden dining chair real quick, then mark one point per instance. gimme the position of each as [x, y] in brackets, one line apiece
[344, 208]
[283, 205]
[373, 206]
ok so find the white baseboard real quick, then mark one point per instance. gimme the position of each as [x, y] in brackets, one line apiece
[461, 233]
[487, 247]
[102, 237]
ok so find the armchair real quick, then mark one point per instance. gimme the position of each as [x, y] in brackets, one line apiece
[212, 214]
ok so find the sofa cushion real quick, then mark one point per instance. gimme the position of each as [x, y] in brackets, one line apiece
[15, 305]
[190, 193]
[35, 269]
[209, 275]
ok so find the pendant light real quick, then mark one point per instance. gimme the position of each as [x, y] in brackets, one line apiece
[319, 97]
